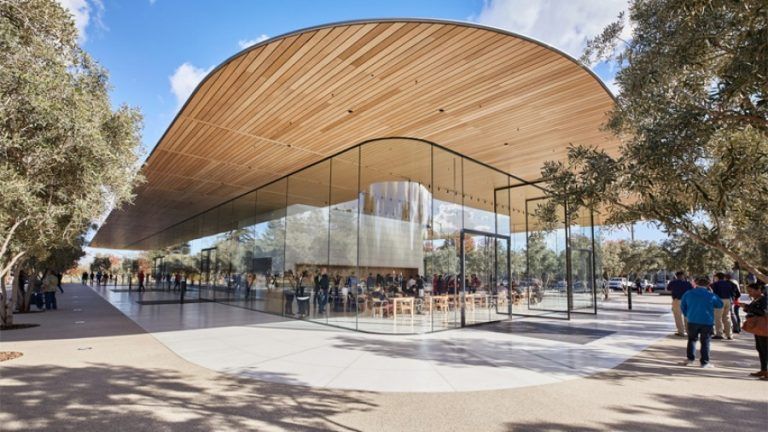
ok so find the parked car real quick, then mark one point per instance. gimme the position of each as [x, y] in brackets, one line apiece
[660, 286]
[618, 284]
[580, 287]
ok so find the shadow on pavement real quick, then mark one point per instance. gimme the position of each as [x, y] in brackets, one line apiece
[103, 398]
[683, 413]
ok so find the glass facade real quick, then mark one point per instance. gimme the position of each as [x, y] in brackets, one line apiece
[394, 235]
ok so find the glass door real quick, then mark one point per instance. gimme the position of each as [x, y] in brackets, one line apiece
[208, 274]
[484, 277]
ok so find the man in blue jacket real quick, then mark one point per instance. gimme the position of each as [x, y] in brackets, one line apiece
[698, 306]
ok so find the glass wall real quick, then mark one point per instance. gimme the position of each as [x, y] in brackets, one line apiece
[391, 236]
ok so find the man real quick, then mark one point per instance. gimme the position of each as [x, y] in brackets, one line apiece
[352, 282]
[725, 291]
[59, 277]
[50, 282]
[141, 280]
[735, 305]
[324, 285]
[679, 286]
[698, 306]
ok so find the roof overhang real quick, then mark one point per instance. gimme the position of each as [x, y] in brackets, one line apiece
[497, 97]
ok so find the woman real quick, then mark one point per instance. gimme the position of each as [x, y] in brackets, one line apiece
[759, 307]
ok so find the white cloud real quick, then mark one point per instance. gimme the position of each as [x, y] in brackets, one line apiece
[83, 12]
[245, 43]
[612, 85]
[564, 24]
[185, 79]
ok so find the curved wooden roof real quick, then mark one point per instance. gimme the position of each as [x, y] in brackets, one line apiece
[278, 106]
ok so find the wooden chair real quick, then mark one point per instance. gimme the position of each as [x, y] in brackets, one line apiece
[469, 302]
[379, 307]
[403, 304]
[440, 303]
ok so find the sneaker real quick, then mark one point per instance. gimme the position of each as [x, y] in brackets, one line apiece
[717, 337]
[707, 366]
[729, 338]
[686, 362]
[680, 334]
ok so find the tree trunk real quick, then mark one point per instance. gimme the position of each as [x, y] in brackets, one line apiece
[30, 289]
[729, 253]
[6, 309]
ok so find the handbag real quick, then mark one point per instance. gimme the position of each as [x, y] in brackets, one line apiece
[757, 325]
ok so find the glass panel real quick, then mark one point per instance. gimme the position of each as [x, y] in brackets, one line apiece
[241, 249]
[537, 258]
[343, 240]
[307, 234]
[395, 195]
[443, 258]
[269, 248]
[582, 262]
[546, 254]
[485, 261]
[480, 183]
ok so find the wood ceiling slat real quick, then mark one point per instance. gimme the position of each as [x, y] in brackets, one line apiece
[283, 105]
[332, 59]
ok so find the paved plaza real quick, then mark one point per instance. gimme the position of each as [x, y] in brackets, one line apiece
[104, 362]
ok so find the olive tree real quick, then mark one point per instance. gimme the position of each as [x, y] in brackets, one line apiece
[692, 116]
[65, 155]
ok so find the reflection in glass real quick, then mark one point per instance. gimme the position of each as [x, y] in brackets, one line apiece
[392, 236]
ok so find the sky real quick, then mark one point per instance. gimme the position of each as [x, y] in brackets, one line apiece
[157, 51]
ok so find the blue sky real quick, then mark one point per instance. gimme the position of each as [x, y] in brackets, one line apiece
[156, 51]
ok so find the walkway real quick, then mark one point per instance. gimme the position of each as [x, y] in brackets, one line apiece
[517, 353]
[89, 368]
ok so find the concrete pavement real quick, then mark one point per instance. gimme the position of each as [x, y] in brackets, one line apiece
[112, 375]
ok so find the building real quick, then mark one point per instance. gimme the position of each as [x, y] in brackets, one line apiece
[393, 147]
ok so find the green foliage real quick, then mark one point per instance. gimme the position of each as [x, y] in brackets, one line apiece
[684, 254]
[65, 155]
[64, 257]
[632, 258]
[443, 260]
[100, 264]
[693, 118]
[543, 262]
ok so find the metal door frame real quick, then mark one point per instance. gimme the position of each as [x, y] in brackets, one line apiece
[462, 268]
[208, 252]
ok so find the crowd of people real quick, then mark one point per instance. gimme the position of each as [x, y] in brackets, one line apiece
[705, 310]
[43, 291]
[341, 290]
[98, 278]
